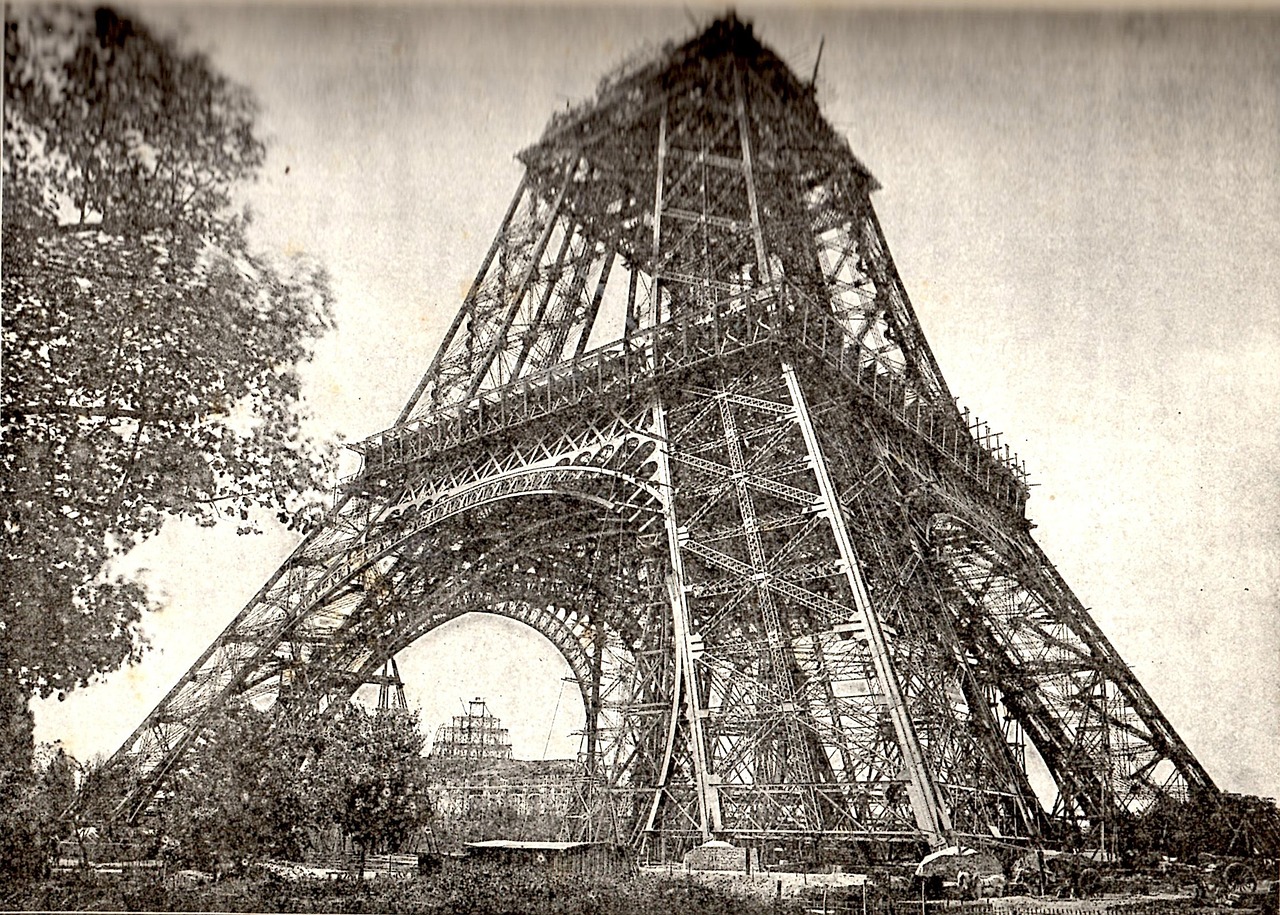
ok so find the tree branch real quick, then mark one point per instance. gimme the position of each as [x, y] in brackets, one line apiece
[142, 416]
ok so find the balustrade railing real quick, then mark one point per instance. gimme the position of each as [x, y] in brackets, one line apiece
[947, 429]
[633, 365]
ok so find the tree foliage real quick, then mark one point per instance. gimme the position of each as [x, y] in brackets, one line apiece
[370, 777]
[151, 356]
[1207, 822]
[31, 809]
[260, 784]
[240, 795]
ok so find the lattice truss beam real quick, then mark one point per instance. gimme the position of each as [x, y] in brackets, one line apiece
[816, 716]
[687, 426]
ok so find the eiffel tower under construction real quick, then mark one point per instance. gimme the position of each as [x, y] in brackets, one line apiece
[687, 426]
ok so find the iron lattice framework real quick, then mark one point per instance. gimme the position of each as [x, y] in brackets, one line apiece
[686, 425]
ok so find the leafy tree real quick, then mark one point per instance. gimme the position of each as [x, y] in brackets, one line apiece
[370, 778]
[1206, 822]
[258, 783]
[151, 357]
[55, 785]
[241, 794]
[30, 816]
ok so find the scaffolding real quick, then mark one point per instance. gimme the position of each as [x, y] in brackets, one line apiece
[475, 735]
[391, 696]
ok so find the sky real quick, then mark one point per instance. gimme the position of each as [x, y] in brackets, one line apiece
[1085, 210]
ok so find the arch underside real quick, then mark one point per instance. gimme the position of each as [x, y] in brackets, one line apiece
[568, 568]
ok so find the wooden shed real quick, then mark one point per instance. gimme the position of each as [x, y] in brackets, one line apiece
[560, 857]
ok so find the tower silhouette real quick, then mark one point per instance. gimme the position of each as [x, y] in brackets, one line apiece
[687, 426]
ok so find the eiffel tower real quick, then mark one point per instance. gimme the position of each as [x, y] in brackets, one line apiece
[687, 426]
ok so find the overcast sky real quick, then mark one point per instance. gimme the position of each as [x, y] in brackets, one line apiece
[1086, 213]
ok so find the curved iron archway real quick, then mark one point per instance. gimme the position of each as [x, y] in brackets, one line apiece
[342, 626]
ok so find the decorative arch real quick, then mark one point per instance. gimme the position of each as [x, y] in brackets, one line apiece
[606, 487]
[345, 602]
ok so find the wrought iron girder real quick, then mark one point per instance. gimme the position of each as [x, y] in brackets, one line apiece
[1018, 659]
[915, 421]
[219, 669]
[955, 739]
[626, 371]
[831, 611]
[755, 481]
[780, 451]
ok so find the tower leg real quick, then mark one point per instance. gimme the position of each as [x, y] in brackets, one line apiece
[931, 815]
[685, 681]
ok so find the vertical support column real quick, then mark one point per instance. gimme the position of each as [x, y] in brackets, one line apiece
[793, 763]
[762, 258]
[655, 293]
[593, 693]
[686, 679]
[1108, 774]
[536, 326]
[394, 687]
[931, 814]
[632, 321]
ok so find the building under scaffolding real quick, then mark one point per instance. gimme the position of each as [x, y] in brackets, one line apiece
[474, 735]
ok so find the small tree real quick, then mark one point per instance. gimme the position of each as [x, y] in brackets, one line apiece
[241, 794]
[370, 780]
[259, 781]
[31, 816]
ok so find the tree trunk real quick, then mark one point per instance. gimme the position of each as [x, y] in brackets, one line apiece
[17, 736]
[21, 858]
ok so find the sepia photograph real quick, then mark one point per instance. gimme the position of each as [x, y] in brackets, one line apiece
[603, 458]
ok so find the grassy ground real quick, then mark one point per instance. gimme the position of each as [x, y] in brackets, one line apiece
[466, 888]
[472, 889]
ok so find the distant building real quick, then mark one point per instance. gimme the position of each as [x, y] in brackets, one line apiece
[479, 791]
[476, 735]
[523, 788]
